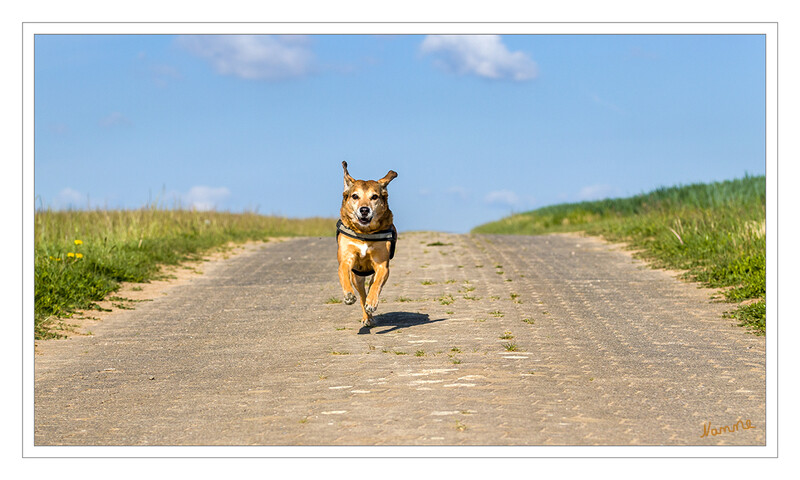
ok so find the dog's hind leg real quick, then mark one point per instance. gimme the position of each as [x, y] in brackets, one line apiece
[358, 282]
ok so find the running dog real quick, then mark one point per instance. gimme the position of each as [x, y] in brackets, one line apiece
[367, 238]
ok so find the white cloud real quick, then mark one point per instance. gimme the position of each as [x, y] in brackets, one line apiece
[162, 74]
[597, 192]
[482, 55]
[509, 199]
[70, 199]
[502, 198]
[205, 198]
[459, 192]
[253, 57]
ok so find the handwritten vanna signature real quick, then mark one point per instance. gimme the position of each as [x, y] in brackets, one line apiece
[740, 425]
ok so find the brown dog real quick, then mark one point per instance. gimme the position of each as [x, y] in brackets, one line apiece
[366, 237]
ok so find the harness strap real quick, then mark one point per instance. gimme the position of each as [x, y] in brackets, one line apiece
[362, 273]
[387, 235]
[390, 234]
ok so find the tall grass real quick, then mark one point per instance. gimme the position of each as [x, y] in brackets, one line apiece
[82, 256]
[716, 232]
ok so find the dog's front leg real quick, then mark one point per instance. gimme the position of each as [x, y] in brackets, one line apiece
[358, 282]
[381, 275]
[345, 267]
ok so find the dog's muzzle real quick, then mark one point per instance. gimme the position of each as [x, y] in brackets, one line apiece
[364, 215]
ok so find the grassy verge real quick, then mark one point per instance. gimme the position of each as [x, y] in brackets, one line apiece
[715, 232]
[82, 256]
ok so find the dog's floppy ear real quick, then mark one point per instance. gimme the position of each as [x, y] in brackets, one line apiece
[348, 180]
[388, 178]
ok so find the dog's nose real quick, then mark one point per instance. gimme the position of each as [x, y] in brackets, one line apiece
[364, 211]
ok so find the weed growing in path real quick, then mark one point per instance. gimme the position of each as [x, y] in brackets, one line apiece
[446, 299]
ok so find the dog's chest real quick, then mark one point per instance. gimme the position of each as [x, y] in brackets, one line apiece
[363, 249]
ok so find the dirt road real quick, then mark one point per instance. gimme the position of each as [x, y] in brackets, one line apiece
[480, 340]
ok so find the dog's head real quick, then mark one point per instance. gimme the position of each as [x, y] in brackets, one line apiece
[365, 203]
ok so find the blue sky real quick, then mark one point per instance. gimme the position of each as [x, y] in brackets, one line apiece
[476, 126]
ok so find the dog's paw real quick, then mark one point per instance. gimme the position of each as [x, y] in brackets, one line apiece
[349, 298]
[370, 308]
[368, 322]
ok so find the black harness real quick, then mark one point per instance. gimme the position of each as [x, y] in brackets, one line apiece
[389, 235]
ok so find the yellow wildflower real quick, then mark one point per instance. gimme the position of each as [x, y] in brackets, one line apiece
[78, 242]
[78, 255]
[70, 254]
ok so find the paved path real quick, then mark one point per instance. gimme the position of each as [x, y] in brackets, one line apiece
[486, 340]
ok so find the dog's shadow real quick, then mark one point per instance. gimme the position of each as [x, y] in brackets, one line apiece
[397, 320]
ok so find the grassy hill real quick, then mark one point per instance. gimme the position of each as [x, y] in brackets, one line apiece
[715, 232]
[82, 256]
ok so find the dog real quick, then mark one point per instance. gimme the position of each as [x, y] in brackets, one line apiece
[366, 238]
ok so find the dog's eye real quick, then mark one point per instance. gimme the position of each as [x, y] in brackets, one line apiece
[374, 197]
[355, 197]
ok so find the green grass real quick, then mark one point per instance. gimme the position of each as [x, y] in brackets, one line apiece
[446, 299]
[438, 244]
[510, 347]
[82, 256]
[715, 232]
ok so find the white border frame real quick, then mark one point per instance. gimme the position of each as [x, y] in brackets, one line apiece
[29, 30]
